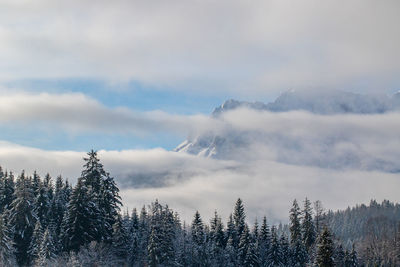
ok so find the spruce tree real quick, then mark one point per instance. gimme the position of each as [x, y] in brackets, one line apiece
[243, 246]
[7, 257]
[275, 252]
[239, 217]
[22, 218]
[82, 219]
[308, 228]
[42, 205]
[47, 250]
[120, 242]
[36, 240]
[105, 194]
[294, 224]
[325, 249]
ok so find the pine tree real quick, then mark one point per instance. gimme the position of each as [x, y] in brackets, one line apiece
[120, 242]
[82, 219]
[239, 217]
[7, 191]
[104, 193]
[243, 246]
[275, 252]
[153, 249]
[36, 240]
[22, 218]
[308, 228]
[7, 250]
[264, 240]
[47, 249]
[199, 239]
[42, 205]
[339, 256]
[325, 249]
[285, 250]
[294, 225]
[298, 254]
[217, 231]
[252, 256]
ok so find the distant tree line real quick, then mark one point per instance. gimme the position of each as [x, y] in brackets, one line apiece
[46, 224]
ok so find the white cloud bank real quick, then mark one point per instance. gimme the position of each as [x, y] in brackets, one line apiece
[204, 45]
[78, 113]
[340, 159]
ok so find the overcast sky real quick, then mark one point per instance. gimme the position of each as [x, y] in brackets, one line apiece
[133, 78]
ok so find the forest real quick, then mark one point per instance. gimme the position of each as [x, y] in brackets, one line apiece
[52, 223]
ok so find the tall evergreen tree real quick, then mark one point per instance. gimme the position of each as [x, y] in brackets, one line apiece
[294, 224]
[105, 194]
[325, 249]
[36, 240]
[7, 250]
[308, 228]
[244, 243]
[47, 250]
[239, 218]
[22, 218]
[275, 252]
[82, 219]
[120, 242]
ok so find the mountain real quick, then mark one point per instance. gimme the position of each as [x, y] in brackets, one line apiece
[326, 151]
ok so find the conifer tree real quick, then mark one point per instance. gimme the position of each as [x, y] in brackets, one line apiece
[120, 243]
[243, 246]
[252, 257]
[7, 191]
[275, 252]
[264, 240]
[239, 217]
[325, 249]
[36, 240]
[82, 219]
[308, 228]
[7, 250]
[217, 232]
[42, 205]
[22, 218]
[294, 224]
[47, 249]
[339, 256]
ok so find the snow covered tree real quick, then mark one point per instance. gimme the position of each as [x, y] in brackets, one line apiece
[275, 252]
[264, 240]
[325, 249]
[239, 218]
[285, 250]
[199, 239]
[42, 205]
[252, 256]
[7, 257]
[294, 224]
[22, 218]
[308, 228]
[47, 250]
[6, 191]
[105, 194]
[217, 235]
[244, 243]
[120, 243]
[36, 240]
[82, 219]
[298, 254]
[339, 256]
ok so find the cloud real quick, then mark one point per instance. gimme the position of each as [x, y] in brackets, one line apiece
[339, 159]
[229, 46]
[267, 187]
[78, 113]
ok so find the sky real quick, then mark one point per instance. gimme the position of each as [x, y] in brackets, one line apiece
[134, 78]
